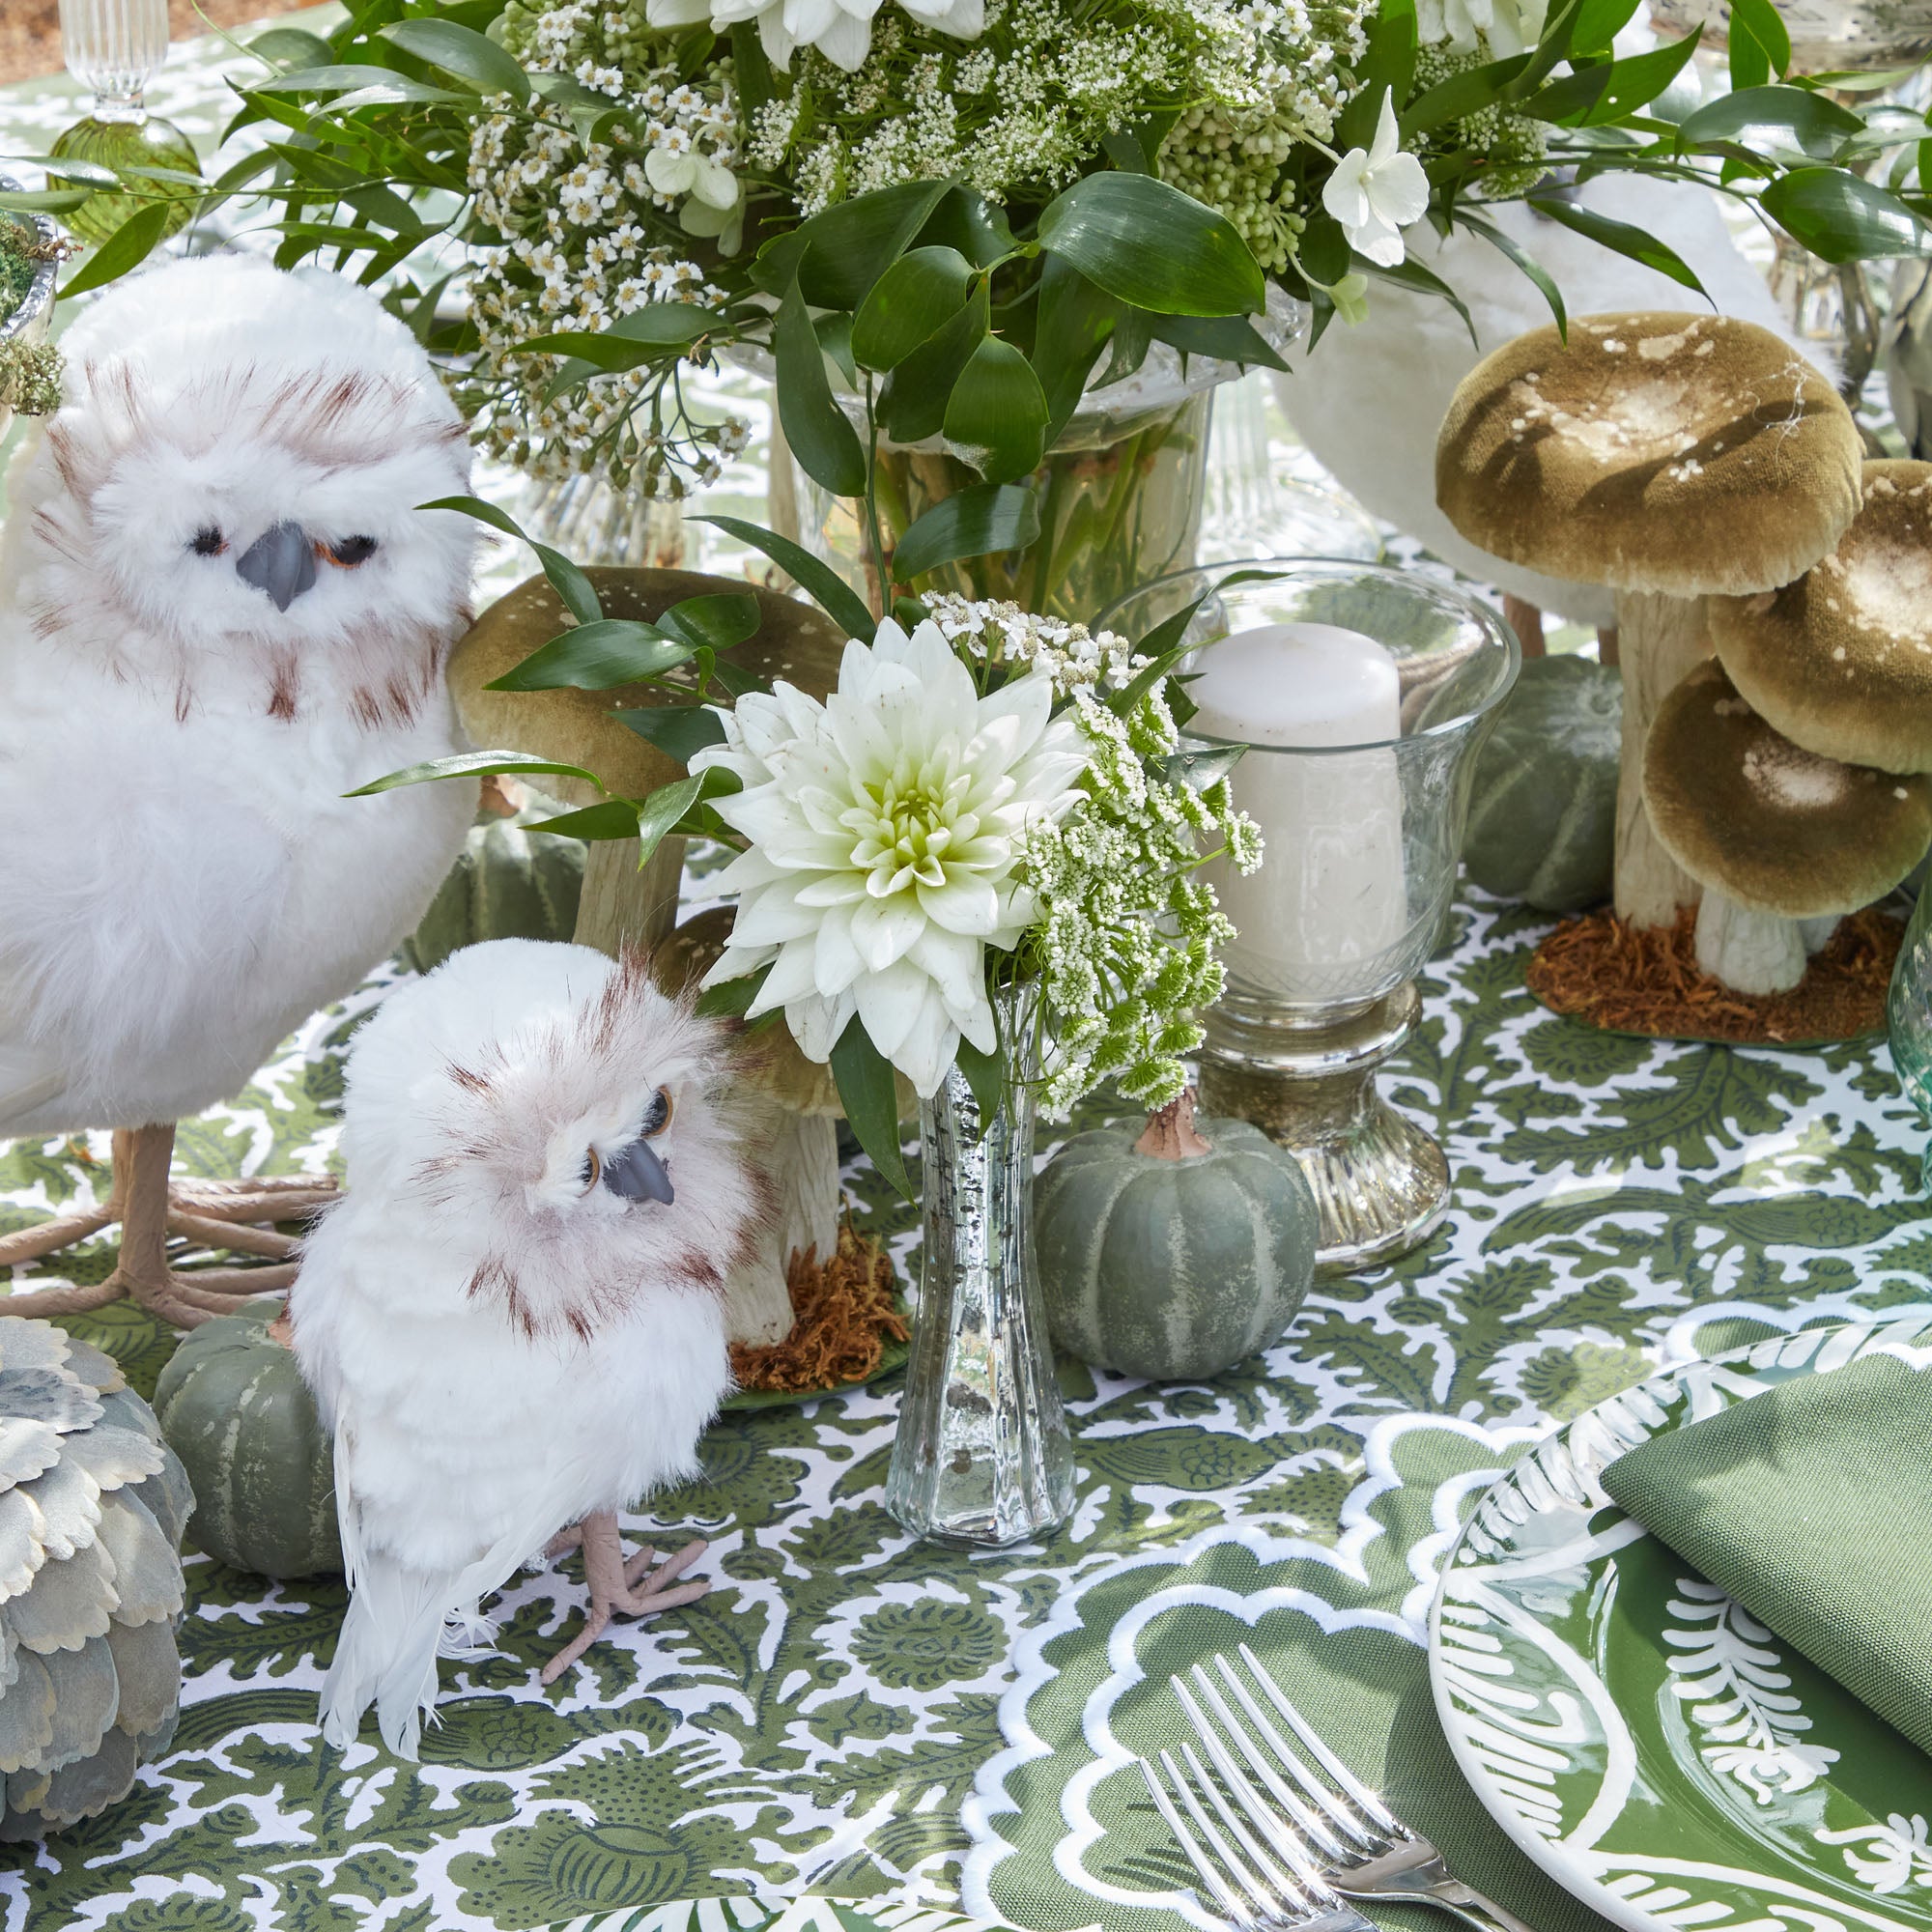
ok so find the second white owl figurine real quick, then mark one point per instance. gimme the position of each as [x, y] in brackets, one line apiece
[514, 1321]
[222, 606]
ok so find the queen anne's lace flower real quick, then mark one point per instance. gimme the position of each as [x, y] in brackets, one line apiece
[885, 829]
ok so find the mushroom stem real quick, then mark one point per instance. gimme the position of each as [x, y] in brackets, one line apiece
[620, 903]
[1749, 952]
[1660, 639]
[802, 1159]
[1817, 932]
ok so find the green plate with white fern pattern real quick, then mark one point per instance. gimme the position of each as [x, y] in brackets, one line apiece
[1657, 1752]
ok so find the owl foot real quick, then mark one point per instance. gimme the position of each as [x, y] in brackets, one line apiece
[617, 1583]
[142, 1202]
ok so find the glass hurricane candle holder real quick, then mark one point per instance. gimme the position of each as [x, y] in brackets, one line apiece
[1360, 696]
[116, 47]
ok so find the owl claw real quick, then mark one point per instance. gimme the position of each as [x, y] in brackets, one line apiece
[617, 1584]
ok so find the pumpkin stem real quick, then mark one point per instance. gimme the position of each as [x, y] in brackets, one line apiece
[281, 1329]
[1170, 1131]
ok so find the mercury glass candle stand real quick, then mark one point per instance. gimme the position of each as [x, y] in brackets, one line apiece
[116, 47]
[1366, 839]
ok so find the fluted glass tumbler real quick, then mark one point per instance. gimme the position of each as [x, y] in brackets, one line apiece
[1368, 692]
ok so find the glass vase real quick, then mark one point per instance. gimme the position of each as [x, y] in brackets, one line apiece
[116, 47]
[1908, 1013]
[982, 1456]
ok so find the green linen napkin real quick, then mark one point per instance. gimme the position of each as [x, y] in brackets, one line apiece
[1812, 1504]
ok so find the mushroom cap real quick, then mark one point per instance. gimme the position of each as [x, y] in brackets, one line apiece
[796, 641]
[1780, 830]
[1678, 453]
[1841, 661]
[779, 1069]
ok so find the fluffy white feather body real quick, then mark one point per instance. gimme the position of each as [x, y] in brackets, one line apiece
[499, 1349]
[186, 881]
[1368, 400]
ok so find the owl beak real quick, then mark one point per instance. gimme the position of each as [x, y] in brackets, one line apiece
[639, 1175]
[280, 561]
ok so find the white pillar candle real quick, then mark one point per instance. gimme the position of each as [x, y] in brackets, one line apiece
[1329, 897]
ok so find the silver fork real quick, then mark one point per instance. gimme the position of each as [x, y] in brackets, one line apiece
[1318, 1817]
[1254, 1893]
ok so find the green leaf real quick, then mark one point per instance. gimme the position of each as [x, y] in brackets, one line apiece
[923, 291]
[1620, 236]
[680, 731]
[971, 225]
[363, 86]
[662, 810]
[127, 247]
[977, 522]
[611, 818]
[1148, 244]
[986, 1075]
[572, 586]
[1505, 245]
[837, 256]
[820, 434]
[834, 330]
[44, 200]
[731, 999]
[1594, 95]
[645, 335]
[597, 656]
[290, 46]
[1841, 219]
[1462, 94]
[1229, 338]
[714, 622]
[1598, 22]
[1773, 119]
[1760, 45]
[89, 174]
[1075, 321]
[474, 765]
[912, 406]
[997, 412]
[464, 52]
[812, 574]
[869, 1096]
[1323, 252]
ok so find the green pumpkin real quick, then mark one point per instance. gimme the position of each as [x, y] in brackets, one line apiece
[1172, 1267]
[233, 1407]
[509, 883]
[1543, 806]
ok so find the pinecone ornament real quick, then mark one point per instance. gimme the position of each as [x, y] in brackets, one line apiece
[92, 1504]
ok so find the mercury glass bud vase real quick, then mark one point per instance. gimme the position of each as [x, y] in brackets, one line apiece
[116, 47]
[982, 1456]
[1908, 1012]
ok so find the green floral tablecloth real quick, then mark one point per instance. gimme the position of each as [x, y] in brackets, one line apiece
[852, 1715]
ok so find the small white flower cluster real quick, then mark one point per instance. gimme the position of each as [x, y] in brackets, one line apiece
[593, 231]
[1126, 945]
[998, 634]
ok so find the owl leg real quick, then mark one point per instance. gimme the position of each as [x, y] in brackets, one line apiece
[616, 1584]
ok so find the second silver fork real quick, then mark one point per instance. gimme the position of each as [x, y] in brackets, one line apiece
[1308, 1807]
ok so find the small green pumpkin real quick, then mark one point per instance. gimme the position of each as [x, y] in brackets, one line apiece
[1543, 806]
[1174, 1252]
[233, 1407]
[508, 882]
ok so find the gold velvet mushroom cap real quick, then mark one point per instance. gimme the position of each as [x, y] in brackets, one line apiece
[1774, 828]
[1840, 662]
[1685, 454]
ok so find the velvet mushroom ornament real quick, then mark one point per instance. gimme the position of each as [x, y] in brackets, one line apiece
[1671, 457]
[619, 901]
[1778, 836]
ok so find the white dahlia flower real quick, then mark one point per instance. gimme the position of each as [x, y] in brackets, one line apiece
[884, 829]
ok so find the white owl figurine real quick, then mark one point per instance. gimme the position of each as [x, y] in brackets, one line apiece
[514, 1321]
[222, 606]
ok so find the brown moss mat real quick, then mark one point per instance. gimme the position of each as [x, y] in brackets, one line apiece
[1646, 980]
[843, 1313]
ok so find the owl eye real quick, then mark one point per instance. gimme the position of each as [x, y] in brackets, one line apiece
[351, 550]
[207, 541]
[592, 1168]
[657, 1116]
